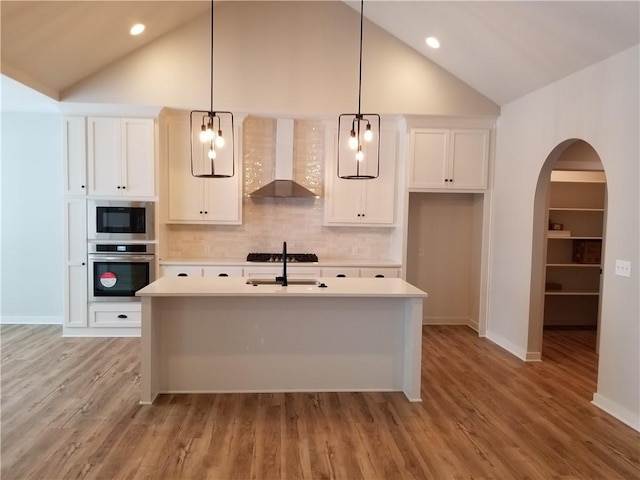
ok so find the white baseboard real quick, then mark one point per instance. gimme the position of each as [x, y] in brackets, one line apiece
[625, 415]
[467, 322]
[507, 345]
[445, 321]
[31, 320]
[534, 357]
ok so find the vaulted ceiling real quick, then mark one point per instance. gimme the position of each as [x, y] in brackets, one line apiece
[503, 49]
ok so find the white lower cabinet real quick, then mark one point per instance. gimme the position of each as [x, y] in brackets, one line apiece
[115, 314]
[222, 271]
[276, 270]
[379, 272]
[181, 271]
[303, 272]
[75, 302]
[349, 272]
[201, 271]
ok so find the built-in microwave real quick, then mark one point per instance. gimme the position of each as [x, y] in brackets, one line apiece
[120, 220]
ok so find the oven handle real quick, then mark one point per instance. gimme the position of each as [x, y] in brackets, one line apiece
[122, 258]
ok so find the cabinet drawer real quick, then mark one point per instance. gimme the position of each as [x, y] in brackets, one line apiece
[293, 271]
[383, 272]
[349, 272]
[262, 272]
[182, 271]
[222, 271]
[115, 315]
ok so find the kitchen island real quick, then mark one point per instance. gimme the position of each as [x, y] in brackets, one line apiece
[206, 335]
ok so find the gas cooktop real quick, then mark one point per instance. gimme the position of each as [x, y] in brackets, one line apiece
[277, 257]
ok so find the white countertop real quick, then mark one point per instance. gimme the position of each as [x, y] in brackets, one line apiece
[235, 286]
[242, 262]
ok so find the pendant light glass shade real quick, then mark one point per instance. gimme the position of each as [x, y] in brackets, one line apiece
[359, 136]
[212, 137]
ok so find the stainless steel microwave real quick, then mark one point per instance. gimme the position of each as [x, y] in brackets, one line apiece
[120, 220]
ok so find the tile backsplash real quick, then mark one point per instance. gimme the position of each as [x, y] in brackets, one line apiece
[267, 222]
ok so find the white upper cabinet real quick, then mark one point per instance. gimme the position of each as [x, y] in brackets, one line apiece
[121, 157]
[362, 202]
[198, 200]
[449, 158]
[75, 155]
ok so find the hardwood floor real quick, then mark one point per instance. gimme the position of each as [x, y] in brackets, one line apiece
[70, 410]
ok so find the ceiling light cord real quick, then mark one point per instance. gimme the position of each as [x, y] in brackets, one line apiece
[208, 137]
[360, 74]
[211, 64]
[360, 134]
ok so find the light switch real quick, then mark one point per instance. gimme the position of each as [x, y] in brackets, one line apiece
[623, 268]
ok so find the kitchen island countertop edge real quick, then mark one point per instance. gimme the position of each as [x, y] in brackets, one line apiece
[237, 286]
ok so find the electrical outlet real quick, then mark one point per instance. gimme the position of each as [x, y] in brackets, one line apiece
[207, 249]
[623, 268]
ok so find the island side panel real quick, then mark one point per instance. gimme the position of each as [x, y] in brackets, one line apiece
[413, 349]
[265, 344]
[149, 355]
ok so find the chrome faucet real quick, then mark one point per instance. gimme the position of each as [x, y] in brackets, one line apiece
[283, 278]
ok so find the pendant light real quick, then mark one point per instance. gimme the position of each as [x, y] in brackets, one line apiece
[359, 136]
[212, 137]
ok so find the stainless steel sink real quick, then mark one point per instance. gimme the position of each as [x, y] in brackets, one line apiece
[291, 281]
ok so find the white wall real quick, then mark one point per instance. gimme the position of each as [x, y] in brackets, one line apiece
[600, 106]
[31, 220]
[294, 58]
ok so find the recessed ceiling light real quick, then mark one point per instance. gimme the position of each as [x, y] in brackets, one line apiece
[433, 42]
[137, 29]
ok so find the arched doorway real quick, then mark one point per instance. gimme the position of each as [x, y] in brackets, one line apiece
[565, 288]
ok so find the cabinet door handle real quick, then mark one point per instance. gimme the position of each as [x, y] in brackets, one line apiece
[118, 187]
[122, 315]
[81, 186]
[200, 212]
[206, 212]
[379, 275]
[183, 275]
[223, 274]
[123, 187]
[341, 275]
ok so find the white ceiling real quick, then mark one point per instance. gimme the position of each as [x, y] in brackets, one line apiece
[503, 49]
[506, 49]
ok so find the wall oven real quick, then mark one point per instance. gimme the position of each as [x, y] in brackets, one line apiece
[120, 220]
[117, 271]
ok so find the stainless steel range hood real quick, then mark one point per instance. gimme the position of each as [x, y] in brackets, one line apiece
[283, 185]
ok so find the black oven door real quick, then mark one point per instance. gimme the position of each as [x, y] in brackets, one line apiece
[118, 278]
